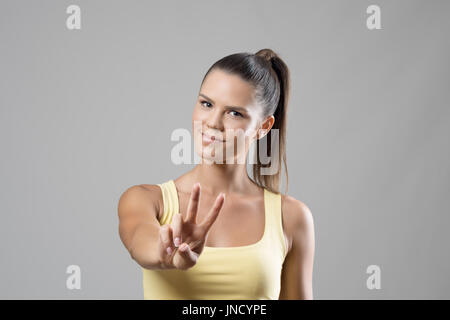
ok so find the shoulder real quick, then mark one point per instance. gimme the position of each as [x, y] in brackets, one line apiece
[297, 218]
[295, 211]
[141, 197]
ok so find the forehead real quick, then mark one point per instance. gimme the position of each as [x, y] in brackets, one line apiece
[227, 89]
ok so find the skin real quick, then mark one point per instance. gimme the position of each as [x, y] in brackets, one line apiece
[243, 208]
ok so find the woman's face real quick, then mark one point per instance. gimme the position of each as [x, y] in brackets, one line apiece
[226, 111]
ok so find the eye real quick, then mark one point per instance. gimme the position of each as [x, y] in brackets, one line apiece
[202, 103]
[238, 114]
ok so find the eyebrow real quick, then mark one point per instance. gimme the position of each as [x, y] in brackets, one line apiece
[232, 107]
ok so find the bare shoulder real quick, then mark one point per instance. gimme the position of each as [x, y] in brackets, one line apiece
[138, 206]
[140, 198]
[297, 218]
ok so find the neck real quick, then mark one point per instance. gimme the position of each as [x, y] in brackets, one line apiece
[227, 178]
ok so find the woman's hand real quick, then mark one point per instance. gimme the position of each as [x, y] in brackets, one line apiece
[182, 242]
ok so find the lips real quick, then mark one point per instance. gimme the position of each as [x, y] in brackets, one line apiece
[208, 138]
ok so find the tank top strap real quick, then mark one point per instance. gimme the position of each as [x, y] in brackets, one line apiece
[170, 201]
[274, 218]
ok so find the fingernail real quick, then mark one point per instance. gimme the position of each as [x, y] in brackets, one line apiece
[176, 242]
[183, 247]
[169, 250]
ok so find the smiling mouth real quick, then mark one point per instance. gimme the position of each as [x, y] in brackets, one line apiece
[210, 138]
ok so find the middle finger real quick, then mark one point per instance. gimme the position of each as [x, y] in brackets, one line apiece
[193, 203]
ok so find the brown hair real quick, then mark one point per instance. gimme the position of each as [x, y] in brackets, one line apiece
[270, 77]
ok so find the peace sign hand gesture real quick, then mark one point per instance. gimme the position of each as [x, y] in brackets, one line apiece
[183, 253]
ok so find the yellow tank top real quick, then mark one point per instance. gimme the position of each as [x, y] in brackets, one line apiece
[251, 272]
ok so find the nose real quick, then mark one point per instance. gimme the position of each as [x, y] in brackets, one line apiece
[214, 120]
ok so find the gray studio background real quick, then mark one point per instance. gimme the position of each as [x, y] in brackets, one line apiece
[87, 113]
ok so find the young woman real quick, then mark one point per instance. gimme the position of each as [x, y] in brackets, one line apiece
[242, 239]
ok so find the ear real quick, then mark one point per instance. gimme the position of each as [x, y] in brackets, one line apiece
[266, 126]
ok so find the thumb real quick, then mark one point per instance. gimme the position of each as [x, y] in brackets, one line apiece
[186, 253]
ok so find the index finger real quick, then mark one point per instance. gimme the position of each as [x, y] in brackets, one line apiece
[214, 212]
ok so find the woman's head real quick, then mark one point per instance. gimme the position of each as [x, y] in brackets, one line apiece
[243, 98]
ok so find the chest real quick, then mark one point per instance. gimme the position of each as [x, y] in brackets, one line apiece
[240, 222]
[225, 274]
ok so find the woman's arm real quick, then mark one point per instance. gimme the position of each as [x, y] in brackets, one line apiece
[138, 224]
[296, 278]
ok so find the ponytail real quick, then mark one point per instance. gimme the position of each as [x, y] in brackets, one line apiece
[272, 182]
